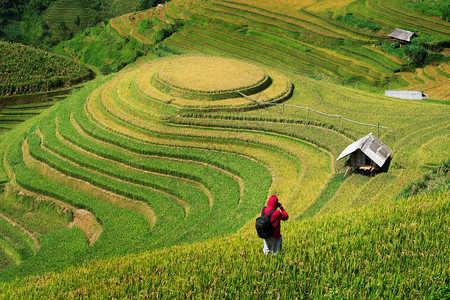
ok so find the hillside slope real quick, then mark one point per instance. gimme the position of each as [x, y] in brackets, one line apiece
[24, 69]
[69, 13]
[166, 156]
[170, 160]
[378, 252]
[311, 38]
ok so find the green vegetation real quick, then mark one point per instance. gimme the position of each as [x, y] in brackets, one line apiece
[151, 173]
[146, 4]
[45, 23]
[329, 191]
[419, 52]
[352, 21]
[29, 70]
[378, 252]
[65, 17]
[15, 246]
[12, 115]
[437, 180]
[102, 47]
[439, 8]
[21, 22]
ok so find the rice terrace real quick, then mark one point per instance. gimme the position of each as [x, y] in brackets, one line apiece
[141, 139]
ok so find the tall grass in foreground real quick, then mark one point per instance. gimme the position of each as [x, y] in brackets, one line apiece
[400, 249]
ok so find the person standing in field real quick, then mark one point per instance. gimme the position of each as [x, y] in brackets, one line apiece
[274, 242]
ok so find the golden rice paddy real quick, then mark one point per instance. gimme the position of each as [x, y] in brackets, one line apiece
[187, 81]
[210, 73]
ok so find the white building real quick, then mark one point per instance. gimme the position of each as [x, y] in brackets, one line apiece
[404, 94]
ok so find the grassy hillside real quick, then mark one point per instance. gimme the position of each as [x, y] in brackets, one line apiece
[67, 15]
[28, 70]
[12, 115]
[320, 39]
[45, 23]
[159, 170]
[121, 147]
[78, 14]
[377, 252]
[102, 48]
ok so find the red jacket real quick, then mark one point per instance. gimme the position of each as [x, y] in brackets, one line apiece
[277, 215]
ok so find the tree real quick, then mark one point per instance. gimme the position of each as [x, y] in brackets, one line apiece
[146, 4]
[65, 31]
[77, 21]
[416, 53]
[445, 10]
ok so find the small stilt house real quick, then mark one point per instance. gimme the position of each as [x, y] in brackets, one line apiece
[367, 153]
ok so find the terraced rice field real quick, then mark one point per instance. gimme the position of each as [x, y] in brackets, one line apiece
[155, 168]
[432, 80]
[12, 115]
[311, 43]
[159, 170]
[115, 153]
[67, 11]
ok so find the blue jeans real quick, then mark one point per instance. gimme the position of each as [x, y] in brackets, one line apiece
[273, 245]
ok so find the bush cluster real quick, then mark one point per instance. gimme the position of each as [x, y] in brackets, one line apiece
[360, 23]
[439, 8]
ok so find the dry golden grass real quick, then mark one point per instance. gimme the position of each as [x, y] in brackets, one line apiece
[435, 151]
[290, 6]
[279, 87]
[438, 89]
[209, 73]
[280, 5]
[327, 5]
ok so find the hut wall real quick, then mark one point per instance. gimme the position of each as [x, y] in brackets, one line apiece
[359, 159]
[409, 95]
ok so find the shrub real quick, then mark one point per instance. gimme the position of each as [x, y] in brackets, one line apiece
[360, 23]
[416, 53]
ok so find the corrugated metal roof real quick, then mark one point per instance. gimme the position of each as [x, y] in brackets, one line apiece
[401, 34]
[405, 94]
[371, 146]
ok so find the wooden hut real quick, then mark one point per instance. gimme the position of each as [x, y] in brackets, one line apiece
[367, 153]
[402, 35]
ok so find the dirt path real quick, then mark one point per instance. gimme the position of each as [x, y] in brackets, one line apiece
[71, 54]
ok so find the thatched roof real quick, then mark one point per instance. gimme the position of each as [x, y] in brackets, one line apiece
[403, 35]
[371, 146]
